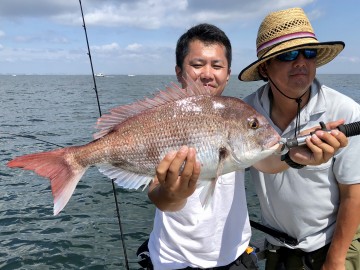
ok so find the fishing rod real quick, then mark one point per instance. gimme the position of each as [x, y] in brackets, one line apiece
[351, 129]
[98, 102]
[91, 64]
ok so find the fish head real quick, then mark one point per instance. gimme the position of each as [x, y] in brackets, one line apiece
[253, 139]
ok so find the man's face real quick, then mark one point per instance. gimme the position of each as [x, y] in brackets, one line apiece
[292, 77]
[208, 63]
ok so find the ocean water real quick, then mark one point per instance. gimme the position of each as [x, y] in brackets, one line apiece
[40, 111]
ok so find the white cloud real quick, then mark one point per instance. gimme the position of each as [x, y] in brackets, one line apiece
[351, 59]
[315, 14]
[107, 47]
[28, 55]
[134, 47]
[39, 8]
[138, 34]
[146, 14]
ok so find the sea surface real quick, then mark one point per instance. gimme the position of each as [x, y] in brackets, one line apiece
[40, 112]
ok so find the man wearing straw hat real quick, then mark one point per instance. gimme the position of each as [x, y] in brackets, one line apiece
[317, 205]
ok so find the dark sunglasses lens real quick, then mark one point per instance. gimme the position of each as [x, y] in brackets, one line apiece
[288, 56]
[310, 53]
[291, 56]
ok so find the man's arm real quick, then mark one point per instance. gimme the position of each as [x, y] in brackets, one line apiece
[170, 188]
[347, 222]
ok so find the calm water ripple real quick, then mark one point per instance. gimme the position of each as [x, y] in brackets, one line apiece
[85, 235]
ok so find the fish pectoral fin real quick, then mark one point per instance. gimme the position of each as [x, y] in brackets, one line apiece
[207, 192]
[125, 179]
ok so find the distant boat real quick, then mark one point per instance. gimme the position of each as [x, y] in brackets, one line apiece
[131, 75]
[100, 74]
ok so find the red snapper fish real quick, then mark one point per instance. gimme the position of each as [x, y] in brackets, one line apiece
[228, 135]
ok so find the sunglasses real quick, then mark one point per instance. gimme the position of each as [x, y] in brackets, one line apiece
[291, 56]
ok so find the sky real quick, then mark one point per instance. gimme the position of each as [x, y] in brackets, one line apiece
[139, 36]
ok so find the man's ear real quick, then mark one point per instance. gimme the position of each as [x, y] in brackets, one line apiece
[228, 76]
[178, 73]
[263, 70]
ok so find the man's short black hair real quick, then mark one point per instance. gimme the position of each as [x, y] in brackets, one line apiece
[206, 33]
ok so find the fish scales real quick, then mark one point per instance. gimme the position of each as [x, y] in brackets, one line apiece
[142, 142]
[227, 134]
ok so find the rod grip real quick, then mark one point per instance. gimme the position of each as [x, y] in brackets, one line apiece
[351, 129]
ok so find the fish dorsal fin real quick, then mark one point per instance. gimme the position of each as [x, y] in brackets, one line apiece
[107, 122]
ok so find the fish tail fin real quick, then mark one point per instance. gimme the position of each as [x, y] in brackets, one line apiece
[58, 167]
[207, 193]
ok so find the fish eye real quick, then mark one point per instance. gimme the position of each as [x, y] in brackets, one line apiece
[253, 123]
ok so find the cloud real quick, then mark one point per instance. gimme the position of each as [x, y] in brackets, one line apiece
[130, 35]
[29, 55]
[49, 38]
[351, 59]
[150, 14]
[134, 47]
[19, 8]
[108, 47]
[315, 14]
[145, 14]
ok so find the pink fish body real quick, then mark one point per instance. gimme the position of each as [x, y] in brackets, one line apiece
[227, 134]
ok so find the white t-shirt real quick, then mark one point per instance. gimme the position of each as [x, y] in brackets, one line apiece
[304, 203]
[199, 237]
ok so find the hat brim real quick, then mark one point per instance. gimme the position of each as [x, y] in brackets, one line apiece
[327, 51]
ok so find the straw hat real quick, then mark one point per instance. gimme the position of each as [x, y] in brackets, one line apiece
[284, 31]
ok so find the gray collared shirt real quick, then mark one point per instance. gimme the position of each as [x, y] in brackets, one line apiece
[304, 203]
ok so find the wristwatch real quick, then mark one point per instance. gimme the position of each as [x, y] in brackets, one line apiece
[290, 162]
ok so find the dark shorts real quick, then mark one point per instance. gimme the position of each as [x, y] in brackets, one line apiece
[294, 259]
[244, 262]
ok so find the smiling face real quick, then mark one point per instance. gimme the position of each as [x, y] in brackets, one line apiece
[206, 62]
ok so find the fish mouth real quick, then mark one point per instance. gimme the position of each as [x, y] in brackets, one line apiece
[274, 147]
[271, 148]
[272, 143]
